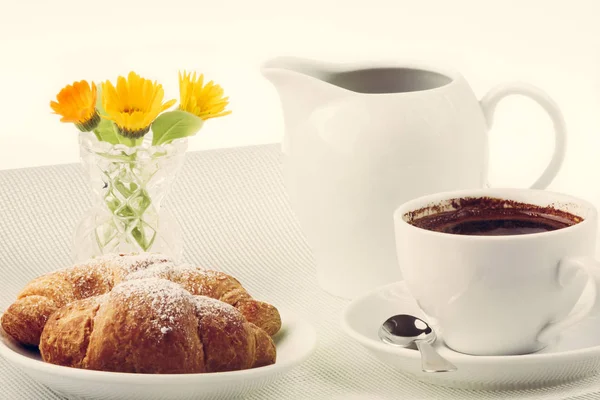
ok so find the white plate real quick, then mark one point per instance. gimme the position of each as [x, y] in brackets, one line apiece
[295, 343]
[576, 354]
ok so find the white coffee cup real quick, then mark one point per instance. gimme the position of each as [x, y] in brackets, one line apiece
[500, 295]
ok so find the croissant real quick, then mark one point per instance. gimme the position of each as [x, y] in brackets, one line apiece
[25, 319]
[154, 326]
[217, 285]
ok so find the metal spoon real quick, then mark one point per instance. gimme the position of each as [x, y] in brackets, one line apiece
[405, 330]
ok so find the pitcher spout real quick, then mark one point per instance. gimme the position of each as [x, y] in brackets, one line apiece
[278, 67]
[302, 84]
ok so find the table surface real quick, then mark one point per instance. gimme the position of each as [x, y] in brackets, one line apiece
[235, 216]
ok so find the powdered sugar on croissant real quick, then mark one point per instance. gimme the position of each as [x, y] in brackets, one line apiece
[25, 319]
[217, 285]
[154, 326]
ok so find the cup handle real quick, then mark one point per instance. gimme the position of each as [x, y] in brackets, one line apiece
[490, 101]
[570, 270]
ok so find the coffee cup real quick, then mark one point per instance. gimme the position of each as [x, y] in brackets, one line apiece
[500, 271]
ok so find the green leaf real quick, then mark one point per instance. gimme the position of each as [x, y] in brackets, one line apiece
[174, 125]
[106, 131]
[99, 106]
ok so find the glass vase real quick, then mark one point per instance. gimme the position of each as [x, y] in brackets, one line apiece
[128, 185]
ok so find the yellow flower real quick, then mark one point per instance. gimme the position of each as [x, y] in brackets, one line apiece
[134, 104]
[203, 101]
[77, 104]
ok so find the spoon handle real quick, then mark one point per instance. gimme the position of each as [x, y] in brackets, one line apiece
[431, 361]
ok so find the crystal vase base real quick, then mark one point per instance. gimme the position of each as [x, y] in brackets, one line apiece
[97, 233]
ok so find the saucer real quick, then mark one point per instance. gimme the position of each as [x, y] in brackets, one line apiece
[574, 355]
[295, 343]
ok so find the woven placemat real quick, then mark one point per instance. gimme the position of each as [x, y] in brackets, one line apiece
[235, 216]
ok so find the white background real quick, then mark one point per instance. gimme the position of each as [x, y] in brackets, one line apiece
[553, 44]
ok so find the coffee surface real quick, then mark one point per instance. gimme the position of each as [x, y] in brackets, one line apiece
[494, 217]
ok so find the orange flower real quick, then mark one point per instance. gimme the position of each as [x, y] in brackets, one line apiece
[77, 104]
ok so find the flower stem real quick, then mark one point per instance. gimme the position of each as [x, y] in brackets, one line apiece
[129, 202]
[127, 141]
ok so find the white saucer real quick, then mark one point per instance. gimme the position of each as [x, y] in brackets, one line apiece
[576, 354]
[295, 343]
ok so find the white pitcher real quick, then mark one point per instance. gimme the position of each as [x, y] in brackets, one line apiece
[360, 139]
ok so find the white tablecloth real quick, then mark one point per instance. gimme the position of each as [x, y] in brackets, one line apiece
[235, 216]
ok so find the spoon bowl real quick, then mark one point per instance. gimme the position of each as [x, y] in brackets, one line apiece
[405, 330]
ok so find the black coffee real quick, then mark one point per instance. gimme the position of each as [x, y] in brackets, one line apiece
[493, 217]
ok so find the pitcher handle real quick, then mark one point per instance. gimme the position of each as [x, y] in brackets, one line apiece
[490, 101]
